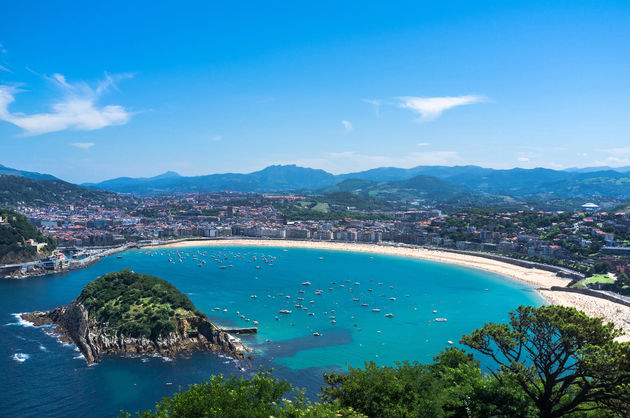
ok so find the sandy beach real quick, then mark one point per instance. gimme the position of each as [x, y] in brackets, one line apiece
[611, 312]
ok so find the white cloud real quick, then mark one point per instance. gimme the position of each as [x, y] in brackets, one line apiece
[619, 151]
[83, 145]
[430, 108]
[347, 125]
[423, 144]
[3, 68]
[523, 159]
[76, 110]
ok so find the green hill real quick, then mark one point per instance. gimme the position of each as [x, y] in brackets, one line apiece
[16, 190]
[15, 230]
[136, 305]
[424, 188]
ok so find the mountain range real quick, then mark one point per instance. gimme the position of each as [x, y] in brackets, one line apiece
[427, 183]
[516, 182]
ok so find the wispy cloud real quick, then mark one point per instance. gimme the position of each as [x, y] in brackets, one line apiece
[347, 125]
[3, 68]
[423, 144]
[83, 145]
[430, 108]
[77, 109]
[376, 104]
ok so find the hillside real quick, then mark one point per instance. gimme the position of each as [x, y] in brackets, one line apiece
[15, 230]
[16, 190]
[426, 189]
[28, 174]
[131, 313]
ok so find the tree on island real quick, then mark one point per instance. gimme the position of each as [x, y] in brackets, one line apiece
[564, 360]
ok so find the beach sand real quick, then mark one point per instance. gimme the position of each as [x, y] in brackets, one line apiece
[595, 307]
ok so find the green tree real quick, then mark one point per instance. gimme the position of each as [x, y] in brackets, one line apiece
[565, 361]
[453, 385]
[260, 396]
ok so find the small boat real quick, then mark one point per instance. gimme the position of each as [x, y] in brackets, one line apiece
[333, 322]
[225, 310]
[119, 257]
[355, 299]
[258, 267]
[357, 283]
[376, 310]
[284, 311]
[389, 315]
[253, 296]
[450, 342]
[317, 334]
[222, 267]
[392, 298]
[306, 283]
[435, 311]
[321, 258]
[255, 322]
[441, 319]
[364, 304]
[311, 313]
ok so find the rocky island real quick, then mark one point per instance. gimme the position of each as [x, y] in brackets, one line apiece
[130, 313]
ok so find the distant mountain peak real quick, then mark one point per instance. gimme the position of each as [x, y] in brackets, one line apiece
[167, 175]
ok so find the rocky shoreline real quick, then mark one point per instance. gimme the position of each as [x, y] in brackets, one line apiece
[73, 324]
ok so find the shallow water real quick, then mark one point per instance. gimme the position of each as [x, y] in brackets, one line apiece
[43, 377]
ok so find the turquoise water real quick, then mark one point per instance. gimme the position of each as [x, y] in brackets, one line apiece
[46, 378]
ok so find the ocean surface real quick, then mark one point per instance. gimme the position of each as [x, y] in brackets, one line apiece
[43, 377]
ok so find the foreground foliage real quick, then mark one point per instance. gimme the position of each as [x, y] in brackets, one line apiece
[261, 396]
[136, 304]
[551, 361]
[564, 360]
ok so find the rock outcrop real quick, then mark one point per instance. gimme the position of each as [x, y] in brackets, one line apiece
[73, 324]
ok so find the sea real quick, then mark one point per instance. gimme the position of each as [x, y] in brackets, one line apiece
[365, 307]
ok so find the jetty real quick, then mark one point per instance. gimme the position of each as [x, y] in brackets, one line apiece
[243, 330]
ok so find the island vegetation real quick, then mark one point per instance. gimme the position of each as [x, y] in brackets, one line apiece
[130, 313]
[137, 305]
[550, 361]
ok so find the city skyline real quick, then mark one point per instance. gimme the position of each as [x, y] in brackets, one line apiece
[137, 90]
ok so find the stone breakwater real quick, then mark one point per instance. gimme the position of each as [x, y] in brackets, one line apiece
[73, 324]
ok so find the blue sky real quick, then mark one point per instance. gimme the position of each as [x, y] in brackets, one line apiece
[95, 91]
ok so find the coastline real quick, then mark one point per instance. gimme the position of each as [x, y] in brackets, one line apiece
[540, 279]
